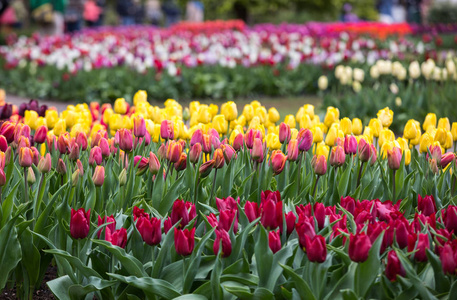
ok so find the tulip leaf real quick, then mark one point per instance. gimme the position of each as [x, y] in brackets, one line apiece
[344, 182]
[44, 216]
[150, 286]
[60, 287]
[263, 257]
[299, 283]
[7, 205]
[441, 281]
[192, 297]
[131, 263]
[10, 250]
[368, 270]
[74, 261]
[242, 292]
[93, 284]
[216, 277]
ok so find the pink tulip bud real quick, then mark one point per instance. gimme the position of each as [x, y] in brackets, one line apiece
[95, 156]
[74, 150]
[154, 164]
[181, 164]
[319, 164]
[40, 134]
[394, 158]
[99, 176]
[305, 139]
[125, 140]
[197, 137]
[194, 153]
[2, 178]
[45, 164]
[446, 159]
[139, 126]
[167, 130]
[36, 156]
[229, 152]
[206, 168]
[81, 140]
[278, 161]
[25, 157]
[257, 150]
[238, 142]
[61, 167]
[337, 156]
[284, 133]
[350, 144]
[364, 150]
[218, 157]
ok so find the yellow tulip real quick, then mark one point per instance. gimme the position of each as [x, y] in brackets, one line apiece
[51, 117]
[77, 128]
[290, 120]
[331, 136]
[30, 118]
[386, 116]
[318, 135]
[70, 117]
[449, 140]
[248, 112]
[403, 143]
[156, 136]
[375, 126]
[410, 130]
[305, 121]
[193, 107]
[386, 135]
[220, 124]
[120, 106]
[309, 110]
[229, 111]
[430, 120]
[444, 123]
[293, 133]
[127, 122]
[213, 109]
[204, 114]
[454, 131]
[332, 115]
[322, 149]
[115, 122]
[387, 146]
[261, 112]
[272, 140]
[140, 96]
[357, 126]
[255, 104]
[346, 126]
[107, 114]
[60, 127]
[407, 154]
[273, 115]
[40, 121]
[368, 133]
[254, 122]
[300, 113]
[440, 136]
[425, 142]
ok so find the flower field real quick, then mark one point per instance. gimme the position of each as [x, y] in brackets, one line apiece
[134, 201]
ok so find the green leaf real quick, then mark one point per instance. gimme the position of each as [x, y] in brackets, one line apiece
[150, 286]
[93, 284]
[10, 251]
[368, 270]
[216, 278]
[263, 257]
[344, 182]
[75, 262]
[191, 297]
[300, 284]
[60, 287]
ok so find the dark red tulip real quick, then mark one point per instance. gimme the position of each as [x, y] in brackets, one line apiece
[222, 238]
[450, 218]
[79, 223]
[394, 266]
[348, 203]
[167, 225]
[184, 211]
[319, 214]
[419, 242]
[448, 257]
[359, 247]
[117, 238]
[226, 218]
[274, 241]
[40, 135]
[305, 227]
[138, 213]
[290, 221]
[109, 219]
[401, 233]
[227, 203]
[184, 241]
[316, 248]
[426, 205]
[251, 210]
[271, 214]
[150, 230]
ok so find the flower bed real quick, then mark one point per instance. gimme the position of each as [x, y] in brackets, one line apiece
[142, 201]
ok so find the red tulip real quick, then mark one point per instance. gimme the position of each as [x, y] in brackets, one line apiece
[63, 144]
[284, 133]
[184, 241]
[226, 218]
[419, 242]
[40, 135]
[222, 238]
[359, 246]
[319, 214]
[271, 214]
[274, 241]
[79, 223]
[150, 230]
[290, 222]
[227, 203]
[450, 218]
[184, 211]
[140, 162]
[305, 227]
[104, 220]
[117, 237]
[305, 139]
[401, 233]
[426, 205]
[448, 257]
[251, 210]
[348, 203]
[7, 130]
[278, 161]
[138, 213]
[125, 140]
[446, 159]
[394, 266]
[316, 248]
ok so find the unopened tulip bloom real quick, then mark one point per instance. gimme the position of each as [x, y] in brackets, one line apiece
[25, 157]
[167, 130]
[430, 120]
[257, 150]
[350, 145]
[141, 163]
[220, 124]
[290, 221]
[104, 220]
[356, 126]
[446, 159]
[251, 209]
[305, 139]
[150, 230]
[44, 166]
[174, 152]
[222, 239]
[61, 167]
[385, 116]
[364, 150]
[181, 164]
[195, 152]
[104, 146]
[182, 211]
[31, 179]
[40, 134]
[125, 140]
[278, 161]
[197, 137]
[154, 164]
[322, 82]
[79, 223]
[410, 130]
[95, 156]
[394, 266]
[426, 205]
[184, 241]
[284, 133]
[337, 156]
[316, 249]
[139, 126]
[117, 237]
[273, 115]
[448, 261]
[394, 156]
[99, 176]
[425, 141]
[238, 142]
[292, 150]
[274, 241]
[419, 242]
[206, 168]
[218, 157]
[319, 164]
[359, 247]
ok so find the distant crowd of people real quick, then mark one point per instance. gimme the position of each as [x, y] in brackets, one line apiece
[59, 16]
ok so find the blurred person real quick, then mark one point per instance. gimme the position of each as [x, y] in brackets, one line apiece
[101, 4]
[92, 13]
[348, 15]
[398, 11]
[194, 11]
[7, 16]
[139, 11]
[49, 15]
[172, 12]
[413, 8]
[385, 11]
[126, 10]
[153, 12]
[74, 15]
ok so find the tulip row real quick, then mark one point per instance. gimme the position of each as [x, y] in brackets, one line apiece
[123, 167]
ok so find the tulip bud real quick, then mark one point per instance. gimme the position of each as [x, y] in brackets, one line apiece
[36, 156]
[229, 152]
[125, 140]
[218, 157]
[434, 166]
[31, 179]
[284, 133]
[167, 130]
[184, 241]
[448, 262]
[2, 178]
[394, 266]
[238, 142]
[181, 164]
[446, 159]
[150, 230]
[81, 140]
[74, 150]
[292, 150]
[8, 154]
[257, 150]
[142, 163]
[162, 152]
[278, 161]
[79, 223]
[359, 247]
[174, 151]
[45, 164]
[139, 126]
[63, 144]
[123, 177]
[350, 144]
[197, 137]
[229, 110]
[394, 156]
[104, 147]
[206, 168]
[61, 167]
[316, 249]
[154, 164]
[99, 176]
[274, 241]
[25, 157]
[337, 156]
[305, 139]
[364, 150]
[222, 239]
[319, 164]
[75, 178]
[95, 156]
[40, 134]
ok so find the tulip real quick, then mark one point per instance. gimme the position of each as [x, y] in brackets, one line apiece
[194, 153]
[31, 179]
[305, 139]
[125, 140]
[385, 116]
[104, 146]
[238, 142]
[121, 106]
[36, 156]
[81, 140]
[140, 162]
[2, 178]
[278, 161]
[394, 266]
[364, 151]
[154, 164]
[79, 223]
[218, 157]
[316, 249]
[322, 82]
[138, 213]
[251, 210]
[319, 164]
[167, 130]
[44, 166]
[271, 214]
[229, 152]
[7, 130]
[337, 156]
[184, 241]
[305, 228]
[25, 157]
[426, 205]
[182, 211]
[446, 159]
[117, 238]
[359, 246]
[425, 141]
[410, 130]
[197, 137]
[150, 230]
[220, 124]
[40, 134]
[450, 218]
[284, 133]
[350, 144]
[290, 222]
[394, 158]
[257, 150]
[222, 239]
[274, 241]
[419, 242]
[139, 126]
[206, 168]
[61, 167]
[226, 218]
[448, 259]
[292, 150]
[95, 156]
[99, 176]
[181, 164]
[174, 152]
[106, 219]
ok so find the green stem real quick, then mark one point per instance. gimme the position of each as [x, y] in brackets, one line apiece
[228, 130]
[40, 195]
[299, 172]
[168, 170]
[152, 260]
[393, 184]
[213, 187]
[360, 175]
[315, 186]
[452, 190]
[26, 190]
[1, 195]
